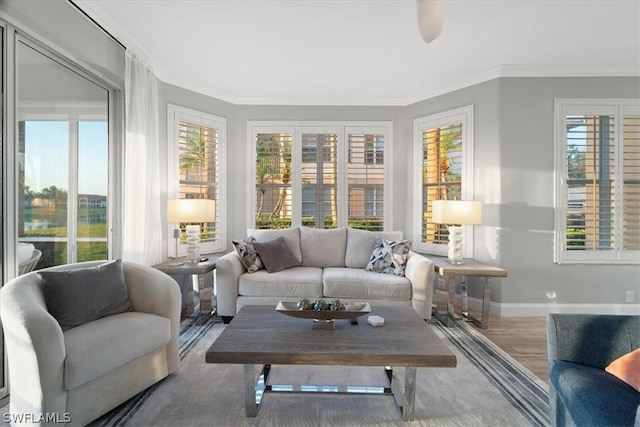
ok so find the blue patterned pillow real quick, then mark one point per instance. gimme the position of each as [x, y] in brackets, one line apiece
[248, 255]
[389, 257]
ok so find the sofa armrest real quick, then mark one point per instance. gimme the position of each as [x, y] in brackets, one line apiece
[228, 270]
[419, 270]
[35, 348]
[152, 291]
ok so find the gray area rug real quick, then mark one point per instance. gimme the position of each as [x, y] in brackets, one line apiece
[487, 388]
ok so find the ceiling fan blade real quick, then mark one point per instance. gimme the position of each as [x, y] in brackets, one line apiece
[429, 19]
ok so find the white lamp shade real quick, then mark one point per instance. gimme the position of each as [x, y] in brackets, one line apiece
[429, 19]
[191, 210]
[456, 212]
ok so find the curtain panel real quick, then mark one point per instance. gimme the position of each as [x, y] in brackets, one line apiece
[142, 221]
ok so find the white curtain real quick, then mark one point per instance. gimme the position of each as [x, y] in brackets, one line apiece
[142, 222]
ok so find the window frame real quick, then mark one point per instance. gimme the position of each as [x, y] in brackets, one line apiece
[175, 115]
[464, 116]
[115, 138]
[342, 129]
[589, 106]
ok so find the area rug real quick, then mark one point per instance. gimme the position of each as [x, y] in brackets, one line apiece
[487, 388]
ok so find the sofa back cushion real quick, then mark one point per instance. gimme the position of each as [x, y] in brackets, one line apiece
[290, 235]
[360, 245]
[323, 248]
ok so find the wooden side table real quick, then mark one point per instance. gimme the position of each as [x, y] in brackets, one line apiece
[183, 271]
[445, 312]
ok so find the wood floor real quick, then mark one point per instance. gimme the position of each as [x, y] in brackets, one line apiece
[524, 339]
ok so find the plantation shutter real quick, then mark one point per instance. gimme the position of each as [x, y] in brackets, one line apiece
[442, 163]
[590, 165]
[273, 180]
[319, 178]
[199, 163]
[599, 192]
[631, 183]
[365, 181]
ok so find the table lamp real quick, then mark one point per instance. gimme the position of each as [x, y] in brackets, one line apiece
[193, 212]
[456, 213]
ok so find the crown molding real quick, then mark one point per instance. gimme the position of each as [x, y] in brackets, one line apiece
[566, 70]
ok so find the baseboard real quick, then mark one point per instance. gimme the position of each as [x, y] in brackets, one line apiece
[521, 310]
[542, 309]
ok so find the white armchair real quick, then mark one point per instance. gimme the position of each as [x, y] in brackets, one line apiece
[90, 369]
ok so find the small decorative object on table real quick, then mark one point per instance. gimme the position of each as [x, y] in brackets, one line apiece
[323, 313]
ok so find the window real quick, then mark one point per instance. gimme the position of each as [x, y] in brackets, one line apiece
[443, 171]
[598, 181]
[63, 158]
[366, 172]
[196, 149]
[322, 175]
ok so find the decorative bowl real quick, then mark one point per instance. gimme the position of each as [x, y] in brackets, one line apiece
[324, 319]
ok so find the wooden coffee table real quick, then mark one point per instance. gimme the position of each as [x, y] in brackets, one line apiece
[259, 335]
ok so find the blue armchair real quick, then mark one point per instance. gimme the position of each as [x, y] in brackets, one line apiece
[581, 392]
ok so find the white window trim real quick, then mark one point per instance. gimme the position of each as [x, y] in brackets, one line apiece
[562, 106]
[176, 114]
[342, 129]
[463, 115]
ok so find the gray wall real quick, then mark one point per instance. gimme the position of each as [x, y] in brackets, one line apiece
[526, 214]
[513, 177]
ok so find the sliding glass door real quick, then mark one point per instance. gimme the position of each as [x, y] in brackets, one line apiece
[63, 160]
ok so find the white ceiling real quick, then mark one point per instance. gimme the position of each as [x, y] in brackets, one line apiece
[368, 52]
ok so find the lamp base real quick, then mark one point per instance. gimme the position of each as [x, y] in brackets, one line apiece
[193, 240]
[455, 245]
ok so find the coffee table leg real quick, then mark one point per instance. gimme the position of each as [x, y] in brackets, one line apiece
[409, 394]
[405, 395]
[250, 406]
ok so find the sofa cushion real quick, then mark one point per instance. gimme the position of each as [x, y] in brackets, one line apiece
[78, 296]
[389, 257]
[276, 255]
[365, 285]
[592, 396]
[293, 282]
[323, 248]
[98, 347]
[360, 245]
[627, 368]
[248, 255]
[291, 236]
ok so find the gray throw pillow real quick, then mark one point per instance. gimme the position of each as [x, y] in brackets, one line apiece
[76, 297]
[389, 257]
[276, 255]
[248, 255]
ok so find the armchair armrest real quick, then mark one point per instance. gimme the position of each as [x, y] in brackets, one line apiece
[228, 270]
[419, 270]
[152, 291]
[35, 348]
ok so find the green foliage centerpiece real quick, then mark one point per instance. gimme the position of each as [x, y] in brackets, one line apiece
[322, 312]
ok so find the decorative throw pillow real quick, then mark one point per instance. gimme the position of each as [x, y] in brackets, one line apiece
[276, 255]
[248, 255]
[627, 368]
[76, 297]
[389, 256]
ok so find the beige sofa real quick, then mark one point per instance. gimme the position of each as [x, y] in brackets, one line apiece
[332, 266]
[78, 374]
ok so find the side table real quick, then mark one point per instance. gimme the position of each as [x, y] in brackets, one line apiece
[445, 311]
[182, 272]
